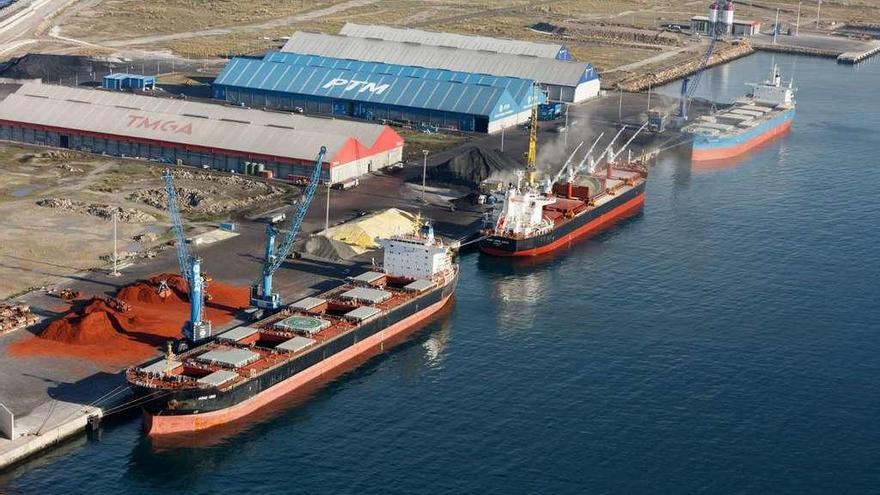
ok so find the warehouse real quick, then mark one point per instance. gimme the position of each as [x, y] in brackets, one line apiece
[562, 80]
[198, 134]
[469, 42]
[521, 90]
[370, 95]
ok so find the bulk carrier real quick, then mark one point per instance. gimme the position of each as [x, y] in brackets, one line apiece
[248, 367]
[752, 120]
[537, 218]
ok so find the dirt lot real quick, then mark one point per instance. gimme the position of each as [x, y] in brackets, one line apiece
[58, 207]
[609, 33]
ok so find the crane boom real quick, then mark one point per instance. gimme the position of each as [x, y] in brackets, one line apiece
[183, 254]
[261, 291]
[196, 328]
[531, 154]
[567, 164]
[629, 141]
[689, 85]
[587, 156]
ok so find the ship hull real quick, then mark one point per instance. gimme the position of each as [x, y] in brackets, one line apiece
[193, 410]
[582, 225]
[720, 148]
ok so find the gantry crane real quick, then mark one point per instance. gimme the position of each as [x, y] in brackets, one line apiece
[197, 328]
[262, 296]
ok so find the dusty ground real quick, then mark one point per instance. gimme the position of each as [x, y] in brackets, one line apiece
[39, 245]
[595, 30]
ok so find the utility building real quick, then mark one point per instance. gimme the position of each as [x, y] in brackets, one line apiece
[191, 133]
[562, 80]
[318, 84]
[469, 42]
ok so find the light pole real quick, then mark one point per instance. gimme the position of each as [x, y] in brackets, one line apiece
[565, 136]
[424, 172]
[502, 138]
[776, 27]
[650, 80]
[797, 24]
[818, 8]
[327, 209]
[115, 256]
[620, 107]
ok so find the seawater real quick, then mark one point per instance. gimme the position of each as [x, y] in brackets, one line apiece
[726, 340]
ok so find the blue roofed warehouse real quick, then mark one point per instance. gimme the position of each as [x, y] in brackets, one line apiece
[467, 102]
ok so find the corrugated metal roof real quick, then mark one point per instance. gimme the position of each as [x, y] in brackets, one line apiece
[199, 124]
[368, 277]
[471, 99]
[543, 70]
[307, 303]
[237, 334]
[365, 294]
[217, 378]
[500, 45]
[420, 285]
[520, 89]
[295, 344]
[229, 356]
[362, 313]
[161, 366]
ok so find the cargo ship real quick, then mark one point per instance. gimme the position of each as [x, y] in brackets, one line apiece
[248, 367]
[752, 120]
[538, 217]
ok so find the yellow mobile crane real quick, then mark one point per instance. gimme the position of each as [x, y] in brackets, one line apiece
[531, 170]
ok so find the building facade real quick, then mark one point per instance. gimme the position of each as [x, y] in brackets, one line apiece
[197, 134]
[323, 85]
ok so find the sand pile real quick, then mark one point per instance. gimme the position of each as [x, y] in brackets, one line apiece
[97, 332]
[94, 326]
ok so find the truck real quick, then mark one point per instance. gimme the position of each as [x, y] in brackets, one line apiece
[550, 111]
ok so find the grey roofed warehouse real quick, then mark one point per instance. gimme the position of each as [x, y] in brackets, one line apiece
[200, 134]
[563, 80]
[469, 42]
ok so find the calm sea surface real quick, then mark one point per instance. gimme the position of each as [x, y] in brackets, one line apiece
[724, 341]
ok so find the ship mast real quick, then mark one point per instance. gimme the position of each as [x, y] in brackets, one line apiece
[533, 139]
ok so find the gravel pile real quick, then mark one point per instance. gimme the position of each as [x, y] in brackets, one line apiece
[100, 210]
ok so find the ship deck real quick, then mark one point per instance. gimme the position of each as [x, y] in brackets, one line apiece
[742, 116]
[242, 353]
[566, 209]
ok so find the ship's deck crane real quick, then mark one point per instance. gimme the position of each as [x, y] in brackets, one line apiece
[262, 296]
[197, 328]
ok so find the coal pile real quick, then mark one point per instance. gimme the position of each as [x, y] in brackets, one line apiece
[50, 68]
[473, 166]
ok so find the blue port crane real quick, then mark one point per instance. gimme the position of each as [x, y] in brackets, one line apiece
[690, 84]
[262, 296]
[197, 328]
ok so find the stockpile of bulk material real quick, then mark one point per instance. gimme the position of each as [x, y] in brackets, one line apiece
[357, 237]
[473, 166]
[131, 327]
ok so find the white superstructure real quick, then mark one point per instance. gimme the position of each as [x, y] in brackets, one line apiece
[522, 212]
[772, 92]
[418, 256]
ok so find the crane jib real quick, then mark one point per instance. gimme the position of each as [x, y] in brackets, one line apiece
[271, 265]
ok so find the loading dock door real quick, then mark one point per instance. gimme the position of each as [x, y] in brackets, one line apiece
[65, 141]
